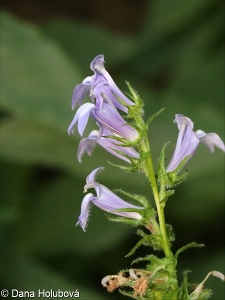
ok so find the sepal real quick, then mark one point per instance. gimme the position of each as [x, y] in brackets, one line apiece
[155, 116]
[152, 240]
[139, 198]
[190, 245]
[145, 215]
[133, 223]
[124, 168]
[161, 170]
[165, 196]
[133, 167]
[170, 233]
[183, 290]
[134, 95]
[172, 178]
[149, 257]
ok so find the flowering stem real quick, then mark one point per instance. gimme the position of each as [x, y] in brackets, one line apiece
[150, 174]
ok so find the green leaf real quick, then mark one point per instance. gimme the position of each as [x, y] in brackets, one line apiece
[32, 142]
[38, 77]
[26, 274]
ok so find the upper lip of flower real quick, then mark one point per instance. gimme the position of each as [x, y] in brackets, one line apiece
[101, 78]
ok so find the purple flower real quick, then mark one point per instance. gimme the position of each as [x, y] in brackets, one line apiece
[188, 141]
[112, 146]
[101, 88]
[106, 117]
[105, 200]
[104, 95]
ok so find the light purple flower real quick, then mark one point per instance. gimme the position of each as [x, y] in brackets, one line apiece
[112, 146]
[101, 88]
[114, 131]
[106, 117]
[188, 141]
[105, 200]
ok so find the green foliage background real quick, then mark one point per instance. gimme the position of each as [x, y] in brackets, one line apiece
[173, 54]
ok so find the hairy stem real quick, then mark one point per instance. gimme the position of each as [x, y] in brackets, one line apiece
[150, 174]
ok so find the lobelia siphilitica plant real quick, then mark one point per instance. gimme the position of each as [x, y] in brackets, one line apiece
[122, 131]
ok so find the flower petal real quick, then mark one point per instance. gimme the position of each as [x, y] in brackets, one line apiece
[81, 116]
[102, 92]
[105, 200]
[97, 65]
[98, 60]
[108, 96]
[84, 214]
[187, 142]
[90, 180]
[87, 144]
[210, 140]
[108, 201]
[81, 90]
[180, 120]
[111, 146]
[109, 118]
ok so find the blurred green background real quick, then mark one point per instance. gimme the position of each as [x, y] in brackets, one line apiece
[172, 52]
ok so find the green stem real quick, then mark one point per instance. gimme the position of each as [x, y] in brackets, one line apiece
[150, 174]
